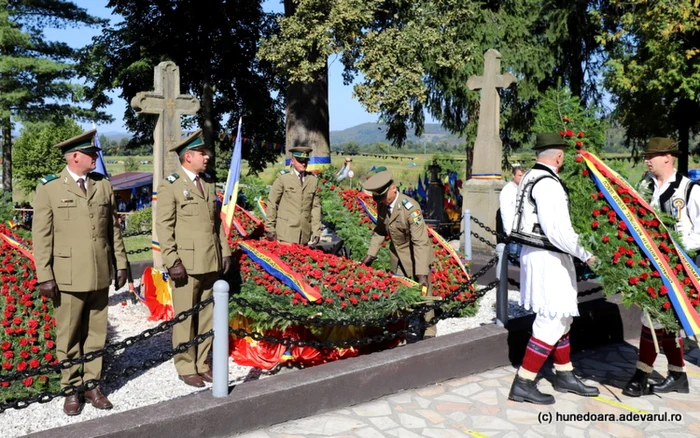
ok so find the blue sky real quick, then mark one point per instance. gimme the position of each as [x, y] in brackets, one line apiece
[345, 111]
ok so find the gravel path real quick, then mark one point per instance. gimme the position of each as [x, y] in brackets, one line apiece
[161, 383]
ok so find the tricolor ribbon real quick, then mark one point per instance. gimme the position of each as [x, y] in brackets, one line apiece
[604, 177]
[274, 266]
[262, 208]
[371, 212]
[18, 246]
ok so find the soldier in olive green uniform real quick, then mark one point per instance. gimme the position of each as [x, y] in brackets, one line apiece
[294, 206]
[195, 249]
[76, 244]
[400, 218]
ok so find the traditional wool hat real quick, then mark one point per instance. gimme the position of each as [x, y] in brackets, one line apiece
[549, 140]
[192, 143]
[84, 142]
[301, 152]
[378, 184]
[661, 145]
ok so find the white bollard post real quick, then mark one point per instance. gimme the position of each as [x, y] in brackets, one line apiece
[467, 236]
[219, 387]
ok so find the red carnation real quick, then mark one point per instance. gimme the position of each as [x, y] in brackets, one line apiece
[594, 224]
[50, 344]
[651, 292]
[584, 172]
[606, 239]
[22, 366]
[580, 134]
[663, 290]
[569, 133]
[633, 280]
[667, 305]
[343, 304]
[6, 345]
[629, 262]
[34, 363]
[579, 159]
[6, 365]
[29, 381]
[48, 357]
[596, 213]
[353, 300]
[579, 144]
[644, 275]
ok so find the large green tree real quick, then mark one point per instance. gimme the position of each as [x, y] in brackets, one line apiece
[34, 153]
[413, 57]
[653, 68]
[35, 74]
[214, 43]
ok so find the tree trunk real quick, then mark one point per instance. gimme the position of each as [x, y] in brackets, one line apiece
[6, 125]
[307, 109]
[683, 124]
[208, 120]
[307, 115]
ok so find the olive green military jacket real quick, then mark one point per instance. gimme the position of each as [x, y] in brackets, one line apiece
[410, 251]
[293, 210]
[188, 225]
[76, 237]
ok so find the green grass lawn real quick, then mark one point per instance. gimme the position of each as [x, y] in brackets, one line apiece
[138, 242]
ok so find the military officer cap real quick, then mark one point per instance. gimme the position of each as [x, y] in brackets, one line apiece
[84, 142]
[378, 184]
[661, 145]
[549, 140]
[301, 152]
[195, 142]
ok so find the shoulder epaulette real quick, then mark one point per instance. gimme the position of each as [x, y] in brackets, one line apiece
[407, 204]
[172, 178]
[284, 172]
[48, 178]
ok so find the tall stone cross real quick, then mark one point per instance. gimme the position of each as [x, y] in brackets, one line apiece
[488, 148]
[484, 187]
[166, 102]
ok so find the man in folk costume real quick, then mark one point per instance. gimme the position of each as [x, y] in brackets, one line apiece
[674, 194]
[294, 206]
[547, 275]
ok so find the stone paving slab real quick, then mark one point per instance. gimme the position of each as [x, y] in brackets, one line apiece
[478, 406]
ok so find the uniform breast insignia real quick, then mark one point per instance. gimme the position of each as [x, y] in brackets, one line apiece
[186, 193]
[284, 172]
[416, 217]
[172, 178]
[48, 178]
[407, 204]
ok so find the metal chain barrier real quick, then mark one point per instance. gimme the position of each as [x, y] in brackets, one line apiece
[137, 233]
[111, 348]
[137, 251]
[359, 342]
[88, 385]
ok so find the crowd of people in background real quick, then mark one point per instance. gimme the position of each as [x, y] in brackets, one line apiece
[134, 203]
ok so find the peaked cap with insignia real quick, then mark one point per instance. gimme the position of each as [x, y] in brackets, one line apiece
[301, 152]
[378, 184]
[84, 142]
[194, 142]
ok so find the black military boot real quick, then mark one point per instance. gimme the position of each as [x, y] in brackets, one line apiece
[525, 390]
[566, 381]
[677, 381]
[638, 384]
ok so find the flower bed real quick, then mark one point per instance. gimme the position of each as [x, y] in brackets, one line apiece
[27, 337]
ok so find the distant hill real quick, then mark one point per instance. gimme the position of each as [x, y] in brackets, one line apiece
[368, 133]
[114, 135]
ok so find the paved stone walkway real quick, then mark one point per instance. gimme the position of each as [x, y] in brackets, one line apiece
[478, 406]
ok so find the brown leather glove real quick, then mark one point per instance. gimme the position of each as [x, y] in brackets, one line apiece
[49, 289]
[424, 282]
[121, 279]
[314, 240]
[178, 273]
[271, 235]
[226, 264]
[368, 260]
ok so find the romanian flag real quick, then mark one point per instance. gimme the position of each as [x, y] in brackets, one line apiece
[234, 174]
[604, 178]
[10, 240]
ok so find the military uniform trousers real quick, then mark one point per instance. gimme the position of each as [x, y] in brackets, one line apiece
[199, 287]
[81, 328]
[431, 330]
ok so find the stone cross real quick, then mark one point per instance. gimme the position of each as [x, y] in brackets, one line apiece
[488, 148]
[167, 102]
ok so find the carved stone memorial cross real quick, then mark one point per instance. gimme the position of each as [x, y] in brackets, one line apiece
[167, 102]
[488, 148]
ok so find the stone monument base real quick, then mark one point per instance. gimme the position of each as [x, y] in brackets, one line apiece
[481, 199]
